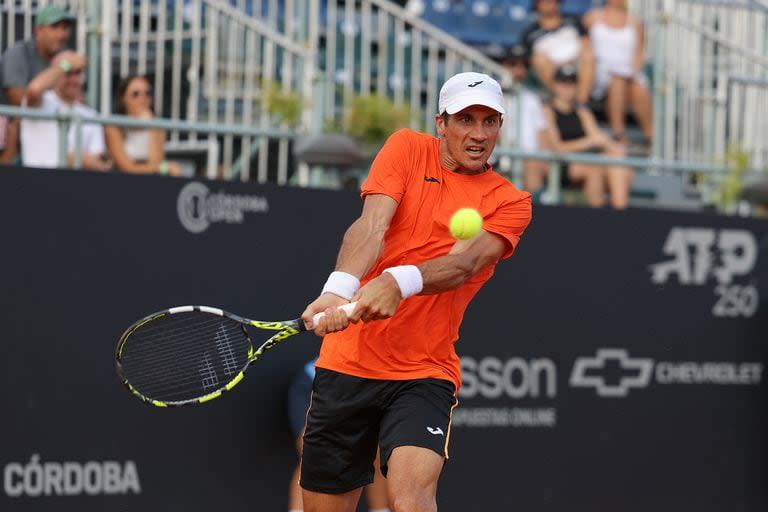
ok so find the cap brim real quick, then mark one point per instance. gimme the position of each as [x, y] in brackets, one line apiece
[463, 101]
[68, 18]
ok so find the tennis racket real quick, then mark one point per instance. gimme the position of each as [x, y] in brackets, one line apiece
[190, 355]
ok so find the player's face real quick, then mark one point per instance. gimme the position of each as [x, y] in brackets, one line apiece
[468, 137]
[51, 39]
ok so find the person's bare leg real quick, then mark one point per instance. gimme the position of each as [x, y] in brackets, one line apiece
[615, 105]
[545, 69]
[617, 178]
[640, 99]
[322, 502]
[412, 479]
[534, 174]
[294, 490]
[593, 182]
[376, 493]
[586, 74]
[619, 181]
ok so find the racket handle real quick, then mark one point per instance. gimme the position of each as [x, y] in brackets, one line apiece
[347, 308]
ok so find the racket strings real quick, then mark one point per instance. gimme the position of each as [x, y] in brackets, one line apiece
[184, 356]
[172, 336]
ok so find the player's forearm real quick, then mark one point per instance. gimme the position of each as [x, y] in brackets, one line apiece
[446, 272]
[361, 247]
[466, 259]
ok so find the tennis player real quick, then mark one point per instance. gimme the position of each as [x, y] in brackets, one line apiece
[392, 379]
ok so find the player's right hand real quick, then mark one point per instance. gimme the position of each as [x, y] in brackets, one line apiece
[379, 298]
[334, 319]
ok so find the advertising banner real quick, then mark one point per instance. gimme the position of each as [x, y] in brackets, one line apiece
[615, 362]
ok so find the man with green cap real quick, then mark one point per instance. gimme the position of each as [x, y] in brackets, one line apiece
[44, 53]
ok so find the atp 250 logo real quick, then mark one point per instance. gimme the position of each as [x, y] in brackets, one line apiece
[702, 255]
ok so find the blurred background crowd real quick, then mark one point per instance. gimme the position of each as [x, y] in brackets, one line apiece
[610, 102]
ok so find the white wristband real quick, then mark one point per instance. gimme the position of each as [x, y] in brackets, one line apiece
[342, 284]
[408, 278]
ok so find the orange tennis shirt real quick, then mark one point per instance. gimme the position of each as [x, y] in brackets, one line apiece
[418, 341]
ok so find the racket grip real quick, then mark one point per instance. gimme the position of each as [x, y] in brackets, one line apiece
[347, 308]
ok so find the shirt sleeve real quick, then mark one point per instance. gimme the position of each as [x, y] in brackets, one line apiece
[389, 171]
[510, 220]
[95, 143]
[15, 68]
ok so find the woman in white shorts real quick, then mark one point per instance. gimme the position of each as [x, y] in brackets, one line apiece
[617, 43]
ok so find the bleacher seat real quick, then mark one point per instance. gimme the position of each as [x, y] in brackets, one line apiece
[578, 7]
[490, 22]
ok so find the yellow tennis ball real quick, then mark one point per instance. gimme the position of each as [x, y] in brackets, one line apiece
[466, 223]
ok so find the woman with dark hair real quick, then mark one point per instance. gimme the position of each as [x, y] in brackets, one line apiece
[573, 129]
[138, 150]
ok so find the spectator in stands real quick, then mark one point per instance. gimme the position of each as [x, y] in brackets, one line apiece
[530, 123]
[30, 57]
[554, 40]
[138, 150]
[573, 129]
[55, 90]
[299, 394]
[617, 40]
[24, 61]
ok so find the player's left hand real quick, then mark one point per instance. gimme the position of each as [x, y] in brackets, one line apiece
[379, 298]
[334, 319]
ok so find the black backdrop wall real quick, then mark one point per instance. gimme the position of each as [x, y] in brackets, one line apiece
[616, 362]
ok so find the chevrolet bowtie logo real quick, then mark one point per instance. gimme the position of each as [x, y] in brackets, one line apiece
[589, 372]
[475, 84]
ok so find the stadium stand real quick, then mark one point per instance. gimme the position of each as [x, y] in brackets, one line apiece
[215, 62]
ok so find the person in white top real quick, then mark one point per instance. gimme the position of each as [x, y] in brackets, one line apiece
[528, 129]
[60, 88]
[138, 150]
[617, 43]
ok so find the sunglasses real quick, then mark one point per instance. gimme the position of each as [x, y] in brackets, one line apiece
[145, 92]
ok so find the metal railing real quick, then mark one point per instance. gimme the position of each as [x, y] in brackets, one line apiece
[694, 101]
[217, 63]
[751, 131]
[220, 62]
[67, 119]
[651, 168]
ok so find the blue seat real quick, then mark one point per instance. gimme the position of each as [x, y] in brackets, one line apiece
[517, 16]
[578, 7]
[442, 14]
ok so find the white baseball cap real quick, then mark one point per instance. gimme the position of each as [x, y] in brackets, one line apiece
[467, 89]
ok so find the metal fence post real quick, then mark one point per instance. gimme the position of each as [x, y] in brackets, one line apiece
[659, 85]
[94, 17]
[78, 126]
[63, 125]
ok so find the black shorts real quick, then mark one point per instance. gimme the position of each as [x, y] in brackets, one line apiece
[349, 417]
